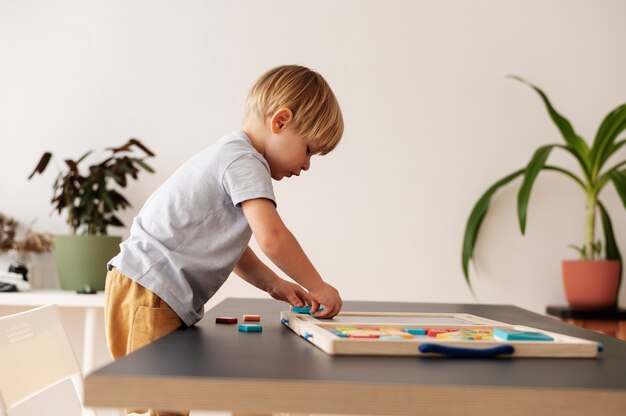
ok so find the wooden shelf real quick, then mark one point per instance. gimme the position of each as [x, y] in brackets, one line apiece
[610, 321]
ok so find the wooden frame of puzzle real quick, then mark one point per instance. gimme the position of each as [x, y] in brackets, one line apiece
[436, 334]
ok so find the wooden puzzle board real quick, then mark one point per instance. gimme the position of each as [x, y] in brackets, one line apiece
[385, 328]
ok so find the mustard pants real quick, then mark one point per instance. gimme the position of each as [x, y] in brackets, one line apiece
[134, 317]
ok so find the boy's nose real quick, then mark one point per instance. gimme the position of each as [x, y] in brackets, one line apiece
[307, 164]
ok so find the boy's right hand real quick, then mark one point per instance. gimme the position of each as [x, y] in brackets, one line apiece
[328, 296]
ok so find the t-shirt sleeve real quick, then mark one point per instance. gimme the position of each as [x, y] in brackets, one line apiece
[247, 178]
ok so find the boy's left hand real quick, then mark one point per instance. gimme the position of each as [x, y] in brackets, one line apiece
[289, 292]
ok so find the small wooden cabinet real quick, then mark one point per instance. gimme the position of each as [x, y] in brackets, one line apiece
[610, 321]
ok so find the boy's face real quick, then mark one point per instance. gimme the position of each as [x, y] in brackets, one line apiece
[288, 153]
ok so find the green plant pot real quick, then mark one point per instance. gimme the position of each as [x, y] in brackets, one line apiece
[81, 260]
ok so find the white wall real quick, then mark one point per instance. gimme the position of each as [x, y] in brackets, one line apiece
[431, 122]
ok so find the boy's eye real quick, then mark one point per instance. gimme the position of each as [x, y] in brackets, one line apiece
[308, 150]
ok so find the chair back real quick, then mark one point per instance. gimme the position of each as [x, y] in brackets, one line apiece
[35, 354]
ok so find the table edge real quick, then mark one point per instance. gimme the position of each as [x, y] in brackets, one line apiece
[340, 397]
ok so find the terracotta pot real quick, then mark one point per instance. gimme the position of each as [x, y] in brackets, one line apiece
[591, 284]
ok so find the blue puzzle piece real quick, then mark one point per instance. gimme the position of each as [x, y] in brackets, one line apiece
[514, 335]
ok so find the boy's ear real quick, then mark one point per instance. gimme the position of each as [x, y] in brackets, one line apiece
[281, 118]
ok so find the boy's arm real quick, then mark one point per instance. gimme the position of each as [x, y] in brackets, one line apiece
[279, 244]
[251, 269]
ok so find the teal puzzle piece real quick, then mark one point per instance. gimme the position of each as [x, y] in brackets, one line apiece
[514, 335]
[415, 331]
[305, 309]
[250, 328]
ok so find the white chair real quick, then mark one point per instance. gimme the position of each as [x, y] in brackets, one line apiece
[35, 354]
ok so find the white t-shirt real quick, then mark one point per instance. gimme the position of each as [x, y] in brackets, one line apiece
[191, 232]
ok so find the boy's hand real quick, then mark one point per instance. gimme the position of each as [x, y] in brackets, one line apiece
[329, 297]
[289, 292]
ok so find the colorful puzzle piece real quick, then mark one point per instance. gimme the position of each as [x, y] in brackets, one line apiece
[514, 335]
[415, 331]
[252, 318]
[362, 335]
[432, 332]
[390, 333]
[353, 332]
[469, 335]
[338, 332]
[392, 338]
[346, 328]
[226, 320]
[250, 328]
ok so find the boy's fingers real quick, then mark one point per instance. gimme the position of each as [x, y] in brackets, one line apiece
[306, 297]
[295, 300]
[314, 305]
[322, 314]
[302, 300]
[330, 311]
[298, 297]
[326, 313]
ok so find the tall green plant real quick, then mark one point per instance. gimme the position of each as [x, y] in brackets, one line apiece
[90, 198]
[594, 176]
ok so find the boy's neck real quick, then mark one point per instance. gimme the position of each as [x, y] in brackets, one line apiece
[257, 135]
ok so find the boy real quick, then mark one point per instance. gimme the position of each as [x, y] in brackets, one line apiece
[194, 229]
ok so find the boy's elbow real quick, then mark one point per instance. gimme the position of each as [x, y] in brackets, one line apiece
[271, 242]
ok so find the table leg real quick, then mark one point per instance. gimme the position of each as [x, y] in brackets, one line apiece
[89, 342]
[89, 345]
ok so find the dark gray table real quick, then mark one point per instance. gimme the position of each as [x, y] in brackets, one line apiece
[215, 367]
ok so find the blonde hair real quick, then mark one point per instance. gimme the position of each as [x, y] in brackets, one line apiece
[316, 112]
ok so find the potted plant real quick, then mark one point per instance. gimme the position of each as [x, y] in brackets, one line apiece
[590, 282]
[91, 199]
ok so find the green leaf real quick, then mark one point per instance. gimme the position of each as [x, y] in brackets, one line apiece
[524, 192]
[475, 220]
[83, 157]
[108, 203]
[119, 175]
[610, 128]
[533, 168]
[112, 174]
[115, 222]
[143, 164]
[611, 248]
[565, 127]
[619, 180]
[616, 146]
[568, 174]
[118, 199]
[580, 250]
[602, 180]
